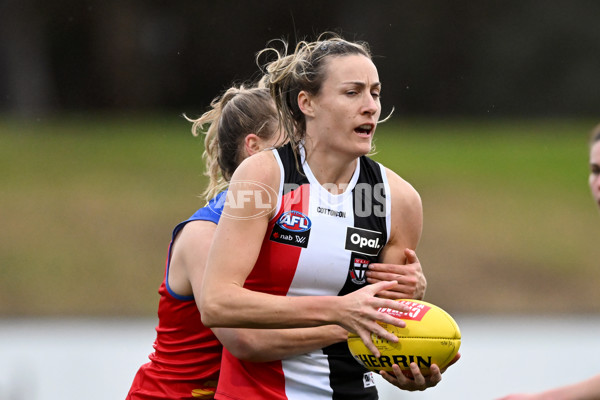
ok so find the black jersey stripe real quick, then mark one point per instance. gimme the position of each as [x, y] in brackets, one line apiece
[347, 376]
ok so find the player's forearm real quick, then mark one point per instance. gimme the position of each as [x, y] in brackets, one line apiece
[261, 345]
[584, 390]
[236, 307]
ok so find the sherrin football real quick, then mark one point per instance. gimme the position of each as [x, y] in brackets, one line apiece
[431, 336]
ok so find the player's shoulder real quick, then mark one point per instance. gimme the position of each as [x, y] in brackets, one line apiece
[406, 210]
[261, 167]
[254, 185]
[401, 189]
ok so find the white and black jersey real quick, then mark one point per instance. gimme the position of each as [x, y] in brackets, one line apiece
[317, 244]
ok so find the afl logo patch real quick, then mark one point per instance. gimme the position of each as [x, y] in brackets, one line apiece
[292, 228]
[294, 221]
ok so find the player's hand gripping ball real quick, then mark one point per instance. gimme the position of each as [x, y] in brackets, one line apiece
[431, 336]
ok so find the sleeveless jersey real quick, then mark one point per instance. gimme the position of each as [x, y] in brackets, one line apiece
[317, 244]
[187, 355]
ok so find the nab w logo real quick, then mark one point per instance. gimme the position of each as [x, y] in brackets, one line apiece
[292, 228]
[294, 221]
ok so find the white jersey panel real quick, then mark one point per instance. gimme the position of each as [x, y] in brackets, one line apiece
[316, 275]
[312, 366]
[330, 217]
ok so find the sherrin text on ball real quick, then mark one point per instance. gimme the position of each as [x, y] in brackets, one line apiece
[431, 336]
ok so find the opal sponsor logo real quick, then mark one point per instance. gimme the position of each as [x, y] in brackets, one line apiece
[364, 241]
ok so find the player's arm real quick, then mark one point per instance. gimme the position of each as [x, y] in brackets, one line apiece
[584, 390]
[224, 302]
[588, 389]
[188, 257]
[260, 345]
[399, 260]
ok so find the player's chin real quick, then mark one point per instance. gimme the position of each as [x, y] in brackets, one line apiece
[364, 145]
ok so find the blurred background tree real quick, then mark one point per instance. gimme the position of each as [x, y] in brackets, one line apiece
[435, 57]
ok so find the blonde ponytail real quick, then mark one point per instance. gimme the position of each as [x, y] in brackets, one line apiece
[233, 115]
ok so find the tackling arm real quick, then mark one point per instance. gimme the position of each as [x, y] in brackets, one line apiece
[224, 302]
[399, 260]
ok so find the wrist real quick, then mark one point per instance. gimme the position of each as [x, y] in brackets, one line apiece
[337, 332]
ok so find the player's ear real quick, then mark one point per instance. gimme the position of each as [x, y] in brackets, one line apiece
[252, 144]
[306, 104]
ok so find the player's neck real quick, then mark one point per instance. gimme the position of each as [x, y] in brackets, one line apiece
[330, 172]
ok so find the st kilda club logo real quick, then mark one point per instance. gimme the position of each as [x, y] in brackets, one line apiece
[358, 271]
[292, 228]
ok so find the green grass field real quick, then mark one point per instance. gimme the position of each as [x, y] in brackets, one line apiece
[89, 202]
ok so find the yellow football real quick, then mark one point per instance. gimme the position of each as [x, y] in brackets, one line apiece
[431, 336]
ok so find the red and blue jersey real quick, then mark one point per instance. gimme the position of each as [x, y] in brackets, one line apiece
[187, 356]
